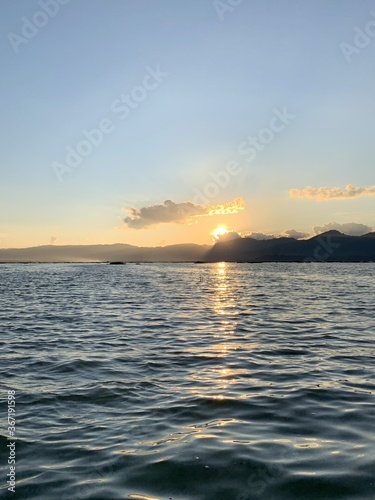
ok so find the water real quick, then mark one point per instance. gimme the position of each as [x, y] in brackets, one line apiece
[189, 382]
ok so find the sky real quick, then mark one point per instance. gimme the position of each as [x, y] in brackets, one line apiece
[154, 122]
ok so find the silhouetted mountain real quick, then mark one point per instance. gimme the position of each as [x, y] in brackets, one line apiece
[331, 232]
[104, 253]
[331, 246]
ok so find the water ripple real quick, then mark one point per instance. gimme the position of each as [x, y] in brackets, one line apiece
[185, 382]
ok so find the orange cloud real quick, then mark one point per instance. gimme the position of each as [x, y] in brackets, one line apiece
[179, 213]
[231, 207]
[335, 193]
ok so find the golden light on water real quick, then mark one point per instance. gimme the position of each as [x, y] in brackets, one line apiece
[218, 382]
[221, 297]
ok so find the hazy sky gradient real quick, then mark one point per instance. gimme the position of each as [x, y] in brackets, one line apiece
[225, 80]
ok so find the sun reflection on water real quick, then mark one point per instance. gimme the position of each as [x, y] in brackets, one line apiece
[220, 380]
[223, 292]
[217, 379]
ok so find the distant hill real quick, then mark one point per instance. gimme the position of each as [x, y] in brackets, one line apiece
[104, 253]
[331, 246]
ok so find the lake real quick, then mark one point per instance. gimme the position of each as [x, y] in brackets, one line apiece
[189, 382]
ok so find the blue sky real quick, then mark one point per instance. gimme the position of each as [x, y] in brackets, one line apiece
[225, 79]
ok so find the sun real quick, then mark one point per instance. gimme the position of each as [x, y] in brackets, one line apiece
[219, 231]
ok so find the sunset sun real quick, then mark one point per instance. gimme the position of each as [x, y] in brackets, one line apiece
[219, 231]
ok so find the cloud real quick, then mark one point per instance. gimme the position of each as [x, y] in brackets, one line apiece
[292, 233]
[350, 228]
[335, 193]
[259, 236]
[231, 207]
[53, 240]
[288, 233]
[179, 213]
[228, 236]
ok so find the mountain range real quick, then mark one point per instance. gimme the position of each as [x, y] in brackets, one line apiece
[331, 246]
